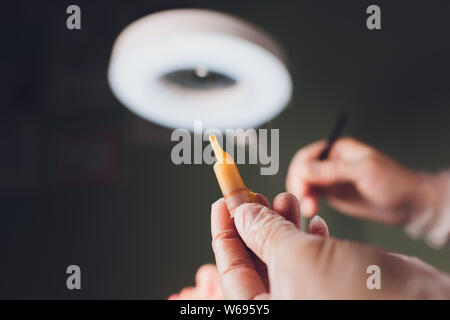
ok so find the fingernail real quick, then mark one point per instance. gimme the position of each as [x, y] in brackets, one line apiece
[317, 219]
[303, 207]
[318, 226]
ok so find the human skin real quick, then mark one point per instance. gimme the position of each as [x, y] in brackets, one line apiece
[207, 285]
[361, 181]
[292, 264]
[357, 180]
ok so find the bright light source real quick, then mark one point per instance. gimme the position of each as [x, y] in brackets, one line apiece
[178, 66]
[201, 71]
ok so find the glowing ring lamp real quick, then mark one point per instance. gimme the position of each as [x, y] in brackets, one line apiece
[177, 66]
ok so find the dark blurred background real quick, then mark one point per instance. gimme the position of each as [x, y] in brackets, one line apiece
[84, 181]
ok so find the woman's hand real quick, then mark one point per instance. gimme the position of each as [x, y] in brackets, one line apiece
[359, 180]
[243, 274]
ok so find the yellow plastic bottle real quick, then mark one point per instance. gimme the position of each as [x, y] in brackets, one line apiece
[230, 181]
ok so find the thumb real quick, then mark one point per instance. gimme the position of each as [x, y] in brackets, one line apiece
[263, 230]
[327, 172]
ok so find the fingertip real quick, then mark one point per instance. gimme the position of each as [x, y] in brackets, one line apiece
[206, 273]
[287, 205]
[186, 294]
[245, 213]
[285, 197]
[309, 206]
[319, 227]
[220, 216]
[263, 200]
[217, 204]
[207, 280]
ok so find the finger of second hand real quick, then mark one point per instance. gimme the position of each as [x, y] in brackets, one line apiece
[287, 205]
[238, 275]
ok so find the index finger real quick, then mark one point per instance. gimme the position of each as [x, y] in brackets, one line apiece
[293, 182]
[238, 275]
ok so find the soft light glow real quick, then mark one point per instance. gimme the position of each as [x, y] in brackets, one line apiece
[201, 71]
[206, 42]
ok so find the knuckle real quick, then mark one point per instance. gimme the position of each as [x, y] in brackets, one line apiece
[237, 264]
[223, 236]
